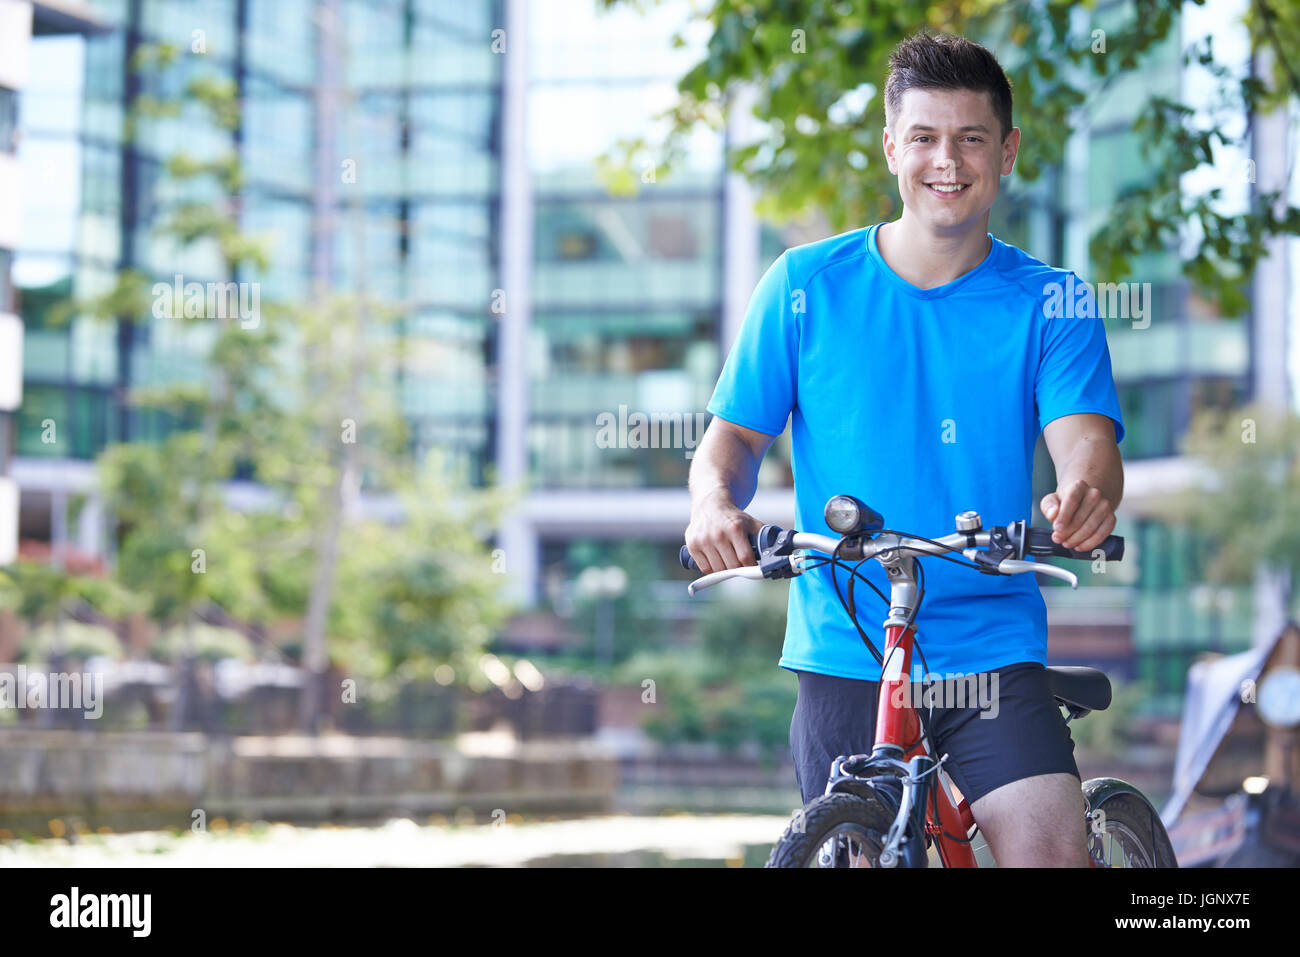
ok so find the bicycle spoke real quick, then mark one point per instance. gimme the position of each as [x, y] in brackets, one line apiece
[1119, 846]
[856, 859]
[847, 845]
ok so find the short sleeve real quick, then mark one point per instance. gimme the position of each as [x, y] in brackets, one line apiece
[1074, 373]
[758, 385]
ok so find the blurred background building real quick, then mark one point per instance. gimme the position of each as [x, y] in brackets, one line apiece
[535, 300]
[23, 27]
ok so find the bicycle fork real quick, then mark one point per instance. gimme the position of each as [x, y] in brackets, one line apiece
[910, 810]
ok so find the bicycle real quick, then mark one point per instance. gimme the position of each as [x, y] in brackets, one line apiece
[890, 807]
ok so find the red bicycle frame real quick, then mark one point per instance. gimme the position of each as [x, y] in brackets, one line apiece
[897, 726]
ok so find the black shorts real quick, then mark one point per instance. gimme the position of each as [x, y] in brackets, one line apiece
[988, 746]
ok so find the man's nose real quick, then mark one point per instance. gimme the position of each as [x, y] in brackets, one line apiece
[945, 160]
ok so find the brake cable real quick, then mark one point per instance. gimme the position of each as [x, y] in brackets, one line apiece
[926, 715]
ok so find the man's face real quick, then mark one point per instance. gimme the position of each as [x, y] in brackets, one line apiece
[947, 151]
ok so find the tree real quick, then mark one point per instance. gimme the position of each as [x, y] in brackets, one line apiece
[424, 584]
[816, 68]
[1246, 507]
[45, 595]
[303, 401]
[169, 496]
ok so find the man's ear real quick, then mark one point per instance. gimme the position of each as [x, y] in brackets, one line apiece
[888, 143]
[1010, 149]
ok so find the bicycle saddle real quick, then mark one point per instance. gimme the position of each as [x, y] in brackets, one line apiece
[1080, 689]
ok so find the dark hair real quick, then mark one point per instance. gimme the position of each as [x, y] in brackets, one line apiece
[946, 62]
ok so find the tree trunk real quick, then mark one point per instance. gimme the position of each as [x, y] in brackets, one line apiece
[48, 716]
[315, 658]
[179, 716]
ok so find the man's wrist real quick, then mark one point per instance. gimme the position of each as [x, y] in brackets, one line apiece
[720, 493]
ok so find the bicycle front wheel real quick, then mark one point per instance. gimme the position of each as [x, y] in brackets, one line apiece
[1124, 830]
[842, 830]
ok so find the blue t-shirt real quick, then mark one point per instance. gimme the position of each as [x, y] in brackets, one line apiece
[923, 403]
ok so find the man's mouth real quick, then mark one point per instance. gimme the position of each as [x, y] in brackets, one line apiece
[947, 189]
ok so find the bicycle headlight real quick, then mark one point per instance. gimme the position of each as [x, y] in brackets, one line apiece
[846, 514]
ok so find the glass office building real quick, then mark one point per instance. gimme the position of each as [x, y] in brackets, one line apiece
[406, 182]
[40, 195]
[406, 160]
[1183, 356]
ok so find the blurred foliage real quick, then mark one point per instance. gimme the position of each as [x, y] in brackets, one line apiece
[423, 586]
[817, 70]
[75, 639]
[745, 709]
[742, 633]
[1109, 733]
[427, 585]
[205, 642]
[41, 593]
[726, 689]
[1247, 504]
[129, 295]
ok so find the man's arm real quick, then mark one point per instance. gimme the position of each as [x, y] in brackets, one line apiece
[724, 472]
[1089, 479]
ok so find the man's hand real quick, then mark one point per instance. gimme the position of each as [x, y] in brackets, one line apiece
[1090, 480]
[724, 472]
[718, 536]
[1081, 517]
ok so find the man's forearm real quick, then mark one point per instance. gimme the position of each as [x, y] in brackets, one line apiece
[723, 464]
[1097, 464]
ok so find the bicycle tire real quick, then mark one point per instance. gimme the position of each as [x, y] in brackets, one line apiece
[866, 817]
[1130, 818]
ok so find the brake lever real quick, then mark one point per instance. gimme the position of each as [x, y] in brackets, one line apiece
[706, 581]
[785, 566]
[1011, 566]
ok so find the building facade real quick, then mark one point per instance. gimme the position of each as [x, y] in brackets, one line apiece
[442, 156]
[25, 28]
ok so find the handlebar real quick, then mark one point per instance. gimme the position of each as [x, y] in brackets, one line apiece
[684, 556]
[779, 553]
[1038, 541]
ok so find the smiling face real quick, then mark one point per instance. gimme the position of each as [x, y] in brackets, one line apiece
[947, 150]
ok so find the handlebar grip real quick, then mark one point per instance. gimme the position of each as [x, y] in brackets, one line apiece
[684, 556]
[1039, 542]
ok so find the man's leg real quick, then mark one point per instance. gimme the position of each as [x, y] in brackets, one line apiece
[1013, 759]
[1035, 822]
[832, 716]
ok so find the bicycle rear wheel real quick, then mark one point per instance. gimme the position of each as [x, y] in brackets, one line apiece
[1125, 831]
[842, 830]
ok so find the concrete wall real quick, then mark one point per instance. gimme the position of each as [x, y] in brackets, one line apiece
[157, 780]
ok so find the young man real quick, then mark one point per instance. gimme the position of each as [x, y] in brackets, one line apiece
[919, 360]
